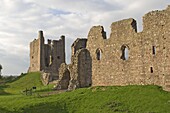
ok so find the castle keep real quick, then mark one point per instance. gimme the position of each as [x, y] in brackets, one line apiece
[127, 57]
[47, 57]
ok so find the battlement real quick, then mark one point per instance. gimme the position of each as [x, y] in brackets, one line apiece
[126, 25]
[97, 31]
[40, 34]
[62, 38]
[155, 20]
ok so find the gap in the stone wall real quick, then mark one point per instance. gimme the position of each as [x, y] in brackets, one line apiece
[139, 22]
[107, 29]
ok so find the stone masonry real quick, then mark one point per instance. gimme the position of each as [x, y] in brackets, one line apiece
[148, 52]
[47, 58]
[127, 57]
[80, 68]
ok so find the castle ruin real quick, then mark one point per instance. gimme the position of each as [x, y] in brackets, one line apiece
[127, 57]
[47, 58]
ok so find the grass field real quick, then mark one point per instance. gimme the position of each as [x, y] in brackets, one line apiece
[126, 99]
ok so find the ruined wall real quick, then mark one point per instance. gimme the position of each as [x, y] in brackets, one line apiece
[156, 34]
[47, 57]
[111, 69]
[148, 51]
[127, 57]
[79, 70]
[64, 77]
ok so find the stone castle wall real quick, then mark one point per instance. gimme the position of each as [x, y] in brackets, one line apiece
[79, 70]
[47, 58]
[148, 61]
[127, 57]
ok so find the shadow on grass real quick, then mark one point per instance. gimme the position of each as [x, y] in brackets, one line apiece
[46, 108]
[117, 107]
[2, 92]
[4, 111]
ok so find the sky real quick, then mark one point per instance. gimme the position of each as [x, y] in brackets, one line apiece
[20, 20]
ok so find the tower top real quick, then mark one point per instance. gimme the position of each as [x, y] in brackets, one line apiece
[40, 34]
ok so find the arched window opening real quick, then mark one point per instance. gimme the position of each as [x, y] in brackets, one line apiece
[125, 53]
[98, 54]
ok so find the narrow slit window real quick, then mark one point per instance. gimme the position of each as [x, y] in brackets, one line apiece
[151, 69]
[153, 50]
[51, 60]
[58, 57]
[98, 54]
[126, 53]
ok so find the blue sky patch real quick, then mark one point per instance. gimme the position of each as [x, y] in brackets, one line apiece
[58, 12]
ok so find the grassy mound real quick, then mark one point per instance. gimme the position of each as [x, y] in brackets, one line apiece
[127, 99]
[23, 82]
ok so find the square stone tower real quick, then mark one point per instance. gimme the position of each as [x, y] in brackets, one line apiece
[47, 57]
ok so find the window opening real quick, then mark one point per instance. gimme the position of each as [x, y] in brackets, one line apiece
[58, 57]
[98, 54]
[125, 53]
[51, 60]
[153, 50]
[151, 69]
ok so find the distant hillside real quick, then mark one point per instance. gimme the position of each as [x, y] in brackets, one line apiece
[24, 81]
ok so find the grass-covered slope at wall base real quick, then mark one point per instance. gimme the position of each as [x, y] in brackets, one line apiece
[126, 99]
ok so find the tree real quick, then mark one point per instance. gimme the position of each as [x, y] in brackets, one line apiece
[0, 69]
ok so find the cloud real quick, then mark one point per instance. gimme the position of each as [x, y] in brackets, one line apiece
[21, 19]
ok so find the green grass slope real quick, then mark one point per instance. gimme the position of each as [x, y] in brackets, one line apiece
[127, 99]
[22, 82]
